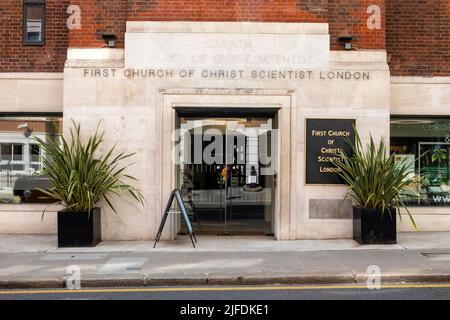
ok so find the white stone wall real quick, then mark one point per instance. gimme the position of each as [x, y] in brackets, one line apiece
[27, 219]
[31, 92]
[420, 96]
[138, 115]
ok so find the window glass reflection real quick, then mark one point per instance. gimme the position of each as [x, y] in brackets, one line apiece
[226, 173]
[34, 24]
[21, 157]
[428, 140]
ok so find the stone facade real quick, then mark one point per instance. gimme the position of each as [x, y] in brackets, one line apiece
[125, 102]
[406, 73]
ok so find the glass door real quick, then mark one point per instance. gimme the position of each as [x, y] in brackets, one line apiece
[224, 174]
[235, 160]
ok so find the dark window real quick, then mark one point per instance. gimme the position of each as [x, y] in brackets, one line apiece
[34, 22]
[35, 157]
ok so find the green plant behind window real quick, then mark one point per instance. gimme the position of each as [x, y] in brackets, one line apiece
[81, 175]
[374, 179]
[439, 155]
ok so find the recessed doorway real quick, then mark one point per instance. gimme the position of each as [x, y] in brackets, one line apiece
[226, 169]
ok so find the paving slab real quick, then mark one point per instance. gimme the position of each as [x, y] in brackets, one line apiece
[216, 243]
[425, 240]
[11, 243]
[284, 262]
[43, 243]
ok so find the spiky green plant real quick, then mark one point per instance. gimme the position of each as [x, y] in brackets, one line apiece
[81, 175]
[373, 178]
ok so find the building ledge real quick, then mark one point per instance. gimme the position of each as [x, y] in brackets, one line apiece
[95, 54]
[420, 80]
[226, 27]
[32, 75]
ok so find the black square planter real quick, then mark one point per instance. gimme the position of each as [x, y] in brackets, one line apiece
[370, 226]
[79, 229]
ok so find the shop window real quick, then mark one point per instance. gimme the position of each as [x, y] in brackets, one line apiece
[34, 22]
[21, 157]
[424, 143]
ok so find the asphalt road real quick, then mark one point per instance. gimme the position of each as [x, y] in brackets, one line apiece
[323, 292]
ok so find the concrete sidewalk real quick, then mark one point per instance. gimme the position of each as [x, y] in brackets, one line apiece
[35, 262]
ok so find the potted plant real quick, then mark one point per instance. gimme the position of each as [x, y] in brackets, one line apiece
[379, 187]
[81, 177]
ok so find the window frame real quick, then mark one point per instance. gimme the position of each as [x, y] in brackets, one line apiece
[11, 197]
[31, 3]
[40, 155]
[423, 202]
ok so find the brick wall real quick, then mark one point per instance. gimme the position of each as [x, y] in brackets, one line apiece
[16, 57]
[349, 17]
[100, 17]
[417, 31]
[346, 17]
[418, 37]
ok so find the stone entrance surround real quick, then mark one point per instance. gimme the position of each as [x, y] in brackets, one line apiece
[138, 111]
